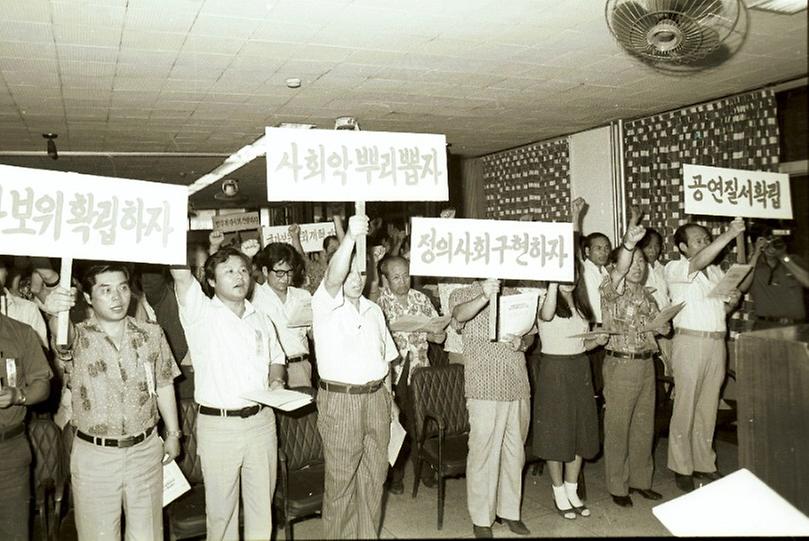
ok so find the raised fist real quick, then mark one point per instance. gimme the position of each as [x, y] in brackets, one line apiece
[358, 226]
[250, 247]
[634, 215]
[634, 234]
[294, 230]
[216, 237]
[490, 287]
[736, 226]
[577, 206]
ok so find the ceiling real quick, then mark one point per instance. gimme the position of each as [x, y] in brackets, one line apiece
[202, 78]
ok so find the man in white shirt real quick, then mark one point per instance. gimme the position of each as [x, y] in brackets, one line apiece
[698, 350]
[652, 245]
[597, 250]
[235, 350]
[289, 308]
[20, 309]
[354, 349]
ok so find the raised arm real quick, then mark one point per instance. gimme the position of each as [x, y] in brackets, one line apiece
[182, 280]
[295, 235]
[338, 227]
[548, 310]
[469, 309]
[630, 240]
[706, 256]
[341, 260]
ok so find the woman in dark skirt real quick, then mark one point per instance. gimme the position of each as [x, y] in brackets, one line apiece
[565, 416]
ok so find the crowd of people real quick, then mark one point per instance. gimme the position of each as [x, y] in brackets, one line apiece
[236, 318]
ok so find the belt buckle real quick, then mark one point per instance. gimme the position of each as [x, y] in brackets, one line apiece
[243, 413]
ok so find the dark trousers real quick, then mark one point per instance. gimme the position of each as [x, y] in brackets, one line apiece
[15, 490]
[596, 357]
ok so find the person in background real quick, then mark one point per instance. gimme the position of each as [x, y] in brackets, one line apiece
[121, 375]
[698, 349]
[316, 267]
[652, 247]
[398, 300]
[18, 308]
[597, 250]
[498, 399]
[779, 279]
[278, 300]
[354, 349]
[629, 375]
[24, 381]
[565, 416]
[235, 350]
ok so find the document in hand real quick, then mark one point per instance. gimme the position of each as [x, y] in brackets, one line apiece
[397, 436]
[733, 277]
[419, 324]
[301, 315]
[282, 399]
[664, 316]
[174, 483]
[517, 314]
[593, 334]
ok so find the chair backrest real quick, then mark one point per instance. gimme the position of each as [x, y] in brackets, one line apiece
[298, 437]
[190, 463]
[46, 441]
[439, 389]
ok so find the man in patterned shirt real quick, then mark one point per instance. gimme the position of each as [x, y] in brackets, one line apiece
[122, 381]
[398, 299]
[629, 376]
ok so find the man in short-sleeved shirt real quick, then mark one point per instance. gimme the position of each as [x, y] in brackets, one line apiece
[354, 349]
[25, 379]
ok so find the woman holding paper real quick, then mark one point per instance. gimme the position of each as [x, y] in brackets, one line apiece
[565, 415]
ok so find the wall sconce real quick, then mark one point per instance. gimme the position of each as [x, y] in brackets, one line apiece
[51, 145]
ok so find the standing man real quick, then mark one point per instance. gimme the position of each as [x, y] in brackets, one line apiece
[597, 249]
[24, 380]
[278, 262]
[121, 375]
[354, 349]
[235, 350]
[398, 299]
[698, 350]
[20, 309]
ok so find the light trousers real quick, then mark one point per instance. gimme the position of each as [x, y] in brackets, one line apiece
[108, 479]
[629, 395]
[698, 364]
[238, 451]
[496, 458]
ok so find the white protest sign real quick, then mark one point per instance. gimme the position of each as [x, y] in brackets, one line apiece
[312, 235]
[492, 248]
[714, 191]
[51, 213]
[345, 165]
[229, 223]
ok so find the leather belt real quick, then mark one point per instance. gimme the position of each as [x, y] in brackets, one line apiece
[779, 319]
[640, 356]
[12, 432]
[249, 411]
[298, 358]
[717, 335]
[350, 388]
[115, 442]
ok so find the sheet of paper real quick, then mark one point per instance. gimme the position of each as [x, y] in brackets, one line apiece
[733, 277]
[300, 315]
[593, 334]
[174, 483]
[517, 314]
[664, 316]
[283, 399]
[739, 504]
[397, 436]
[419, 323]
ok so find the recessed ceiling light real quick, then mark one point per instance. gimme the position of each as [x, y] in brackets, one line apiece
[293, 82]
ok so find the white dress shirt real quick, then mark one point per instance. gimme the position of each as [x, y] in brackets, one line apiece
[352, 346]
[593, 278]
[267, 301]
[700, 312]
[24, 311]
[656, 279]
[231, 355]
[555, 335]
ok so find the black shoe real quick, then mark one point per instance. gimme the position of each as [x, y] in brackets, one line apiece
[684, 482]
[647, 493]
[396, 487]
[482, 531]
[622, 501]
[428, 479]
[707, 476]
[516, 526]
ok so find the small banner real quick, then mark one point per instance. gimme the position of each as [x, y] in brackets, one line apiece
[227, 223]
[312, 235]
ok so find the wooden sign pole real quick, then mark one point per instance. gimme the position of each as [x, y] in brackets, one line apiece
[359, 210]
[64, 317]
[741, 252]
[493, 317]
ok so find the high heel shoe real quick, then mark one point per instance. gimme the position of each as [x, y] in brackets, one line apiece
[568, 514]
[582, 510]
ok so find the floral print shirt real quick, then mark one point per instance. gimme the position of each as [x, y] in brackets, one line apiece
[415, 343]
[626, 313]
[114, 390]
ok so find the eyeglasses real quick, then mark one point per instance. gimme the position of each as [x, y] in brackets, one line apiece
[281, 274]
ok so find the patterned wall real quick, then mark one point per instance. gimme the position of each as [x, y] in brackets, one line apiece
[739, 132]
[534, 179]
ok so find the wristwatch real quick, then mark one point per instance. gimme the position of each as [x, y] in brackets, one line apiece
[174, 434]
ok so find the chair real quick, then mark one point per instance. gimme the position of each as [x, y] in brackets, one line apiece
[441, 425]
[49, 473]
[301, 466]
[186, 514]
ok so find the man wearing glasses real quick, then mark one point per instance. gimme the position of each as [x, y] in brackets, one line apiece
[289, 308]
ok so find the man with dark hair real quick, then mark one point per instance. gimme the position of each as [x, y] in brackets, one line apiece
[235, 350]
[597, 251]
[121, 376]
[354, 349]
[276, 298]
[17, 308]
[24, 380]
[698, 349]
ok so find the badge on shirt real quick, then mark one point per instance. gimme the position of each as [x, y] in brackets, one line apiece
[11, 372]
